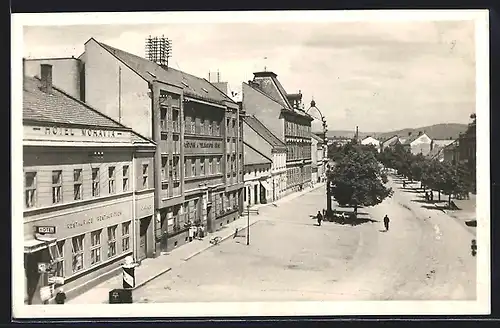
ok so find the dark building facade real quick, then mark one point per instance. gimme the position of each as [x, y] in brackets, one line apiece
[88, 192]
[467, 151]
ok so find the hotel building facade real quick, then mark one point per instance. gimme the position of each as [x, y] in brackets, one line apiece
[88, 191]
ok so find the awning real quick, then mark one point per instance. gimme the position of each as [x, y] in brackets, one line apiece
[34, 245]
[265, 185]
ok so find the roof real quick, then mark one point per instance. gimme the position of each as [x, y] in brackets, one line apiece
[253, 156]
[59, 107]
[435, 152]
[193, 86]
[442, 142]
[314, 136]
[256, 125]
[279, 90]
[413, 138]
[390, 141]
[370, 137]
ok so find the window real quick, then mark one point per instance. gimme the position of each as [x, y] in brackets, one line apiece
[111, 180]
[202, 125]
[176, 168]
[144, 175]
[125, 178]
[56, 186]
[95, 182]
[185, 167]
[164, 168]
[77, 184]
[193, 167]
[95, 247]
[210, 166]
[217, 129]
[218, 165]
[77, 252]
[112, 241]
[29, 189]
[193, 126]
[170, 169]
[209, 128]
[202, 166]
[227, 127]
[57, 254]
[125, 236]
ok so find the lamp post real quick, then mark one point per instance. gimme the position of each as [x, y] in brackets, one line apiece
[248, 224]
[325, 153]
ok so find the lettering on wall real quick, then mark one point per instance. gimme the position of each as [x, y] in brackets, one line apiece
[203, 144]
[88, 221]
[58, 131]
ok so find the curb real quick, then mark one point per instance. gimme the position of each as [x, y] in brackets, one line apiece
[187, 258]
[151, 278]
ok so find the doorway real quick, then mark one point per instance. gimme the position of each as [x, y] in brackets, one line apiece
[143, 240]
[256, 194]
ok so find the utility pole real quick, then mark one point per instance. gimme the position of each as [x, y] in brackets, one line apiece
[248, 224]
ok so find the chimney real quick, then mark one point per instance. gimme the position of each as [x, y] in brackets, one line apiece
[409, 133]
[46, 73]
[419, 133]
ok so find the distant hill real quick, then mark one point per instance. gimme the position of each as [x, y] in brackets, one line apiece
[436, 131]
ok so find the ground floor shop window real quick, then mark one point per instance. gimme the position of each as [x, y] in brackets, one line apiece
[57, 255]
[77, 250]
[125, 236]
[95, 247]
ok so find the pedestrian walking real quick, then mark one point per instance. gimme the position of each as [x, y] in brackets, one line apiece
[324, 214]
[386, 222]
[404, 184]
[426, 196]
[320, 218]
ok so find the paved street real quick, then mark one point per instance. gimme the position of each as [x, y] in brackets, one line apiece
[424, 256]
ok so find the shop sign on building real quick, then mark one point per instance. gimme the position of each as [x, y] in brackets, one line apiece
[197, 146]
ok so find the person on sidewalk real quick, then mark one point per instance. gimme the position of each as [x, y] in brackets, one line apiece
[320, 218]
[404, 184]
[386, 222]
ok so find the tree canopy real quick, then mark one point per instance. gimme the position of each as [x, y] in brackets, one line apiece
[357, 179]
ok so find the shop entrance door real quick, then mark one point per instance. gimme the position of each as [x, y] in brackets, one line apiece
[143, 243]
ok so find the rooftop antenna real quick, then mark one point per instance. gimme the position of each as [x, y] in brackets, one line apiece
[158, 50]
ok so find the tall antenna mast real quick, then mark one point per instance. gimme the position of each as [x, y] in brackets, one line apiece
[158, 50]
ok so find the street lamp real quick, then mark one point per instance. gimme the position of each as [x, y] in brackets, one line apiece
[325, 154]
[248, 224]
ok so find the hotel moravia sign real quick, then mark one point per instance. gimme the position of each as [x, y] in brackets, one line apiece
[58, 133]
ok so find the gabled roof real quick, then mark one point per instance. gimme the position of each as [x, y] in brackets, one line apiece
[435, 152]
[390, 141]
[281, 95]
[256, 125]
[192, 85]
[370, 137]
[413, 138]
[442, 142]
[59, 107]
[253, 156]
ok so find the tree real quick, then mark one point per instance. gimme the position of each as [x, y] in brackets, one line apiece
[357, 180]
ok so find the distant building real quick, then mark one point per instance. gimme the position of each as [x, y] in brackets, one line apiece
[371, 141]
[284, 116]
[467, 150]
[318, 163]
[260, 145]
[451, 153]
[389, 142]
[419, 144]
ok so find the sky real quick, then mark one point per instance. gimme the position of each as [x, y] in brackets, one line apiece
[380, 76]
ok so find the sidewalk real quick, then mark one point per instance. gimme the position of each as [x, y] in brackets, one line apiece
[152, 268]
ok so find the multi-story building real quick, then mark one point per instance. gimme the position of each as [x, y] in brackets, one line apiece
[261, 145]
[88, 191]
[198, 167]
[467, 151]
[284, 116]
[318, 164]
